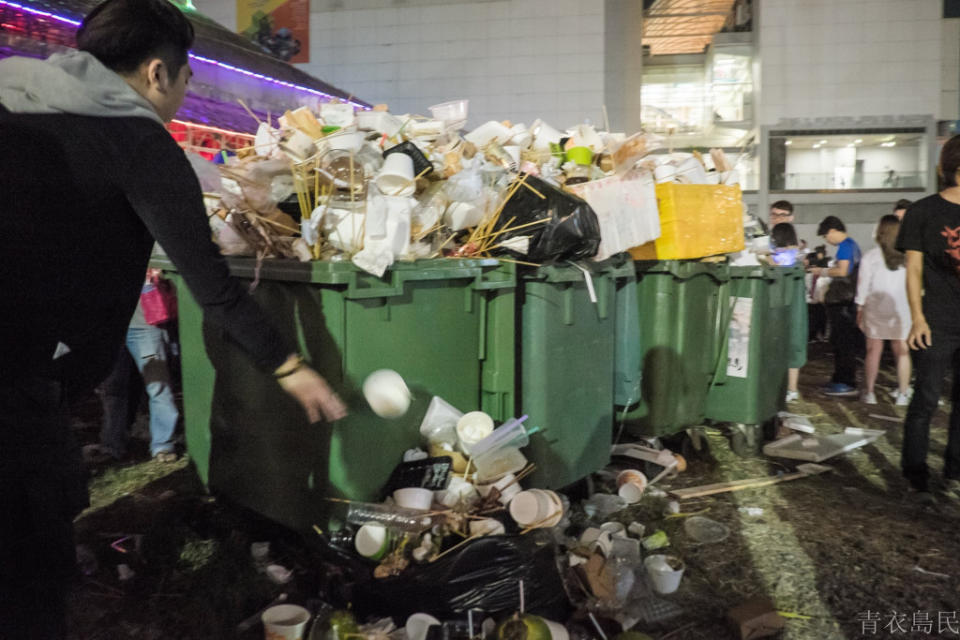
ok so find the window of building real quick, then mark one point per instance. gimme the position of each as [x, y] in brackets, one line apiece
[844, 160]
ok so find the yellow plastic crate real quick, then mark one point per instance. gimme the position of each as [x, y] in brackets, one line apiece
[696, 221]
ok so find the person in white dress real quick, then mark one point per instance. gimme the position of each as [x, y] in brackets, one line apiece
[883, 312]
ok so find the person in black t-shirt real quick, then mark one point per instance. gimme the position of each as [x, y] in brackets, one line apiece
[89, 178]
[930, 236]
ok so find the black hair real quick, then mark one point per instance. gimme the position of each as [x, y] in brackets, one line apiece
[784, 235]
[123, 34]
[950, 161]
[829, 223]
[782, 205]
[902, 203]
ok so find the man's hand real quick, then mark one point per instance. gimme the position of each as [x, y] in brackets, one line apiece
[920, 337]
[314, 394]
[860, 318]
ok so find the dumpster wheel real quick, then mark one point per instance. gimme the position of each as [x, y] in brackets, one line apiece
[744, 438]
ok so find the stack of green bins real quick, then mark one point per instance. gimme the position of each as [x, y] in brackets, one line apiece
[566, 356]
[675, 338]
[751, 381]
[252, 443]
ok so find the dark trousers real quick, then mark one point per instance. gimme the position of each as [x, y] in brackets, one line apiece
[932, 365]
[845, 338]
[44, 487]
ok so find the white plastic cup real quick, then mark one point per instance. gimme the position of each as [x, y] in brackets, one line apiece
[665, 173]
[462, 215]
[414, 498]
[440, 422]
[372, 541]
[344, 141]
[472, 428]
[665, 578]
[285, 622]
[396, 175]
[453, 111]
[557, 630]
[379, 121]
[544, 135]
[630, 485]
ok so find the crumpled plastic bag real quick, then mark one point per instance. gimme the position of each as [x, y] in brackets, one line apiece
[572, 232]
[482, 575]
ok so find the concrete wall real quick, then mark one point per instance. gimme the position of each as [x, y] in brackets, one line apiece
[824, 58]
[513, 59]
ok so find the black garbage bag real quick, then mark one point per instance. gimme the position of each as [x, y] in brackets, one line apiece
[572, 233]
[483, 575]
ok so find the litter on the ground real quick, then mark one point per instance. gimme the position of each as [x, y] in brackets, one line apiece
[819, 448]
[803, 471]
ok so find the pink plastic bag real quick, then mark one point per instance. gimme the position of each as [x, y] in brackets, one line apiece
[158, 300]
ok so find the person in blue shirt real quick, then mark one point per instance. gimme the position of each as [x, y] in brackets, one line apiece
[845, 336]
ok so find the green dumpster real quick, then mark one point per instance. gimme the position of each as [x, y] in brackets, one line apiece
[799, 319]
[682, 313]
[251, 442]
[567, 357]
[751, 380]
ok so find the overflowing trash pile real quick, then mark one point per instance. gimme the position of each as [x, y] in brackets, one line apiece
[462, 547]
[372, 187]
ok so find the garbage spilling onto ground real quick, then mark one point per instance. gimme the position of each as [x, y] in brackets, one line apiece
[373, 187]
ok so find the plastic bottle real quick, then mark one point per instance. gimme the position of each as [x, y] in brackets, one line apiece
[390, 516]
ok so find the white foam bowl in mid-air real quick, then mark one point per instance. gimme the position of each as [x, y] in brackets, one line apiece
[387, 393]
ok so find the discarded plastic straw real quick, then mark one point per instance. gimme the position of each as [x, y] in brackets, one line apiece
[597, 625]
[522, 603]
[470, 621]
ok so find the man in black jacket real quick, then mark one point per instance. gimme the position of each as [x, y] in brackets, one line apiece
[89, 179]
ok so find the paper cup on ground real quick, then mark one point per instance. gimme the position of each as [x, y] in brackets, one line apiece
[530, 507]
[631, 485]
[396, 175]
[472, 428]
[664, 571]
[414, 498]
[418, 624]
[285, 622]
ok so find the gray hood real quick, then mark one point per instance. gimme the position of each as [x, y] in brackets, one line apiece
[73, 82]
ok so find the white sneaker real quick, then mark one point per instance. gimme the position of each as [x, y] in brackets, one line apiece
[868, 398]
[901, 398]
[793, 396]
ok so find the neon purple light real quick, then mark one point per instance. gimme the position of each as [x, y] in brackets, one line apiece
[217, 63]
[45, 14]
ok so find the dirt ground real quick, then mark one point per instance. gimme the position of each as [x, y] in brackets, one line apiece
[843, 555]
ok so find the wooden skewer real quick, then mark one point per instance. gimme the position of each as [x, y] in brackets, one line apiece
[529, 264]
[537, 525]
[542, 197]
[249, 111]
[518, 227]
[271, 222]
[440, 248]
